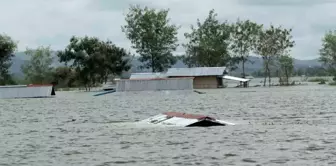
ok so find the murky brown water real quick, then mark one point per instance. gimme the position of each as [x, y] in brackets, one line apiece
[276, 126]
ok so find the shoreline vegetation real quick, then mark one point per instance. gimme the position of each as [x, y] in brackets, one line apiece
[88, 61]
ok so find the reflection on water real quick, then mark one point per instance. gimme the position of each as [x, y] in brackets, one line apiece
[277, 126]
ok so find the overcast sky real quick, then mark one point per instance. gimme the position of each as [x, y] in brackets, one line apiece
[53, 22]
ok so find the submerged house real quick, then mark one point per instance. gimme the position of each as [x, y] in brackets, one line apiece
[153, 82]
[178, 79]
[27, 91]
[204, 77]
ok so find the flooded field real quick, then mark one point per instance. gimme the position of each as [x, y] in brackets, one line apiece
[276, 126]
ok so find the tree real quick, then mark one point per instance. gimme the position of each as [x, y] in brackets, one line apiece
[94, 60]
[286, 68]
[38, 69]
[7, 48]
[271, 43]
[64, 76]
[208, 43]
[244, 36]
[328, 52]
[152, 36]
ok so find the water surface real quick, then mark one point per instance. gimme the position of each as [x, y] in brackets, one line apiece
[276, 126]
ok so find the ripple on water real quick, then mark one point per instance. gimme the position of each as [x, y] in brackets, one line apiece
[249, 160]
[279, 161]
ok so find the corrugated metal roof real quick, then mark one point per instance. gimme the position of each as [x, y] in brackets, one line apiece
[146, 75]
[13, 86]
[180, 119]
[23, 91]
[155, 84]
[197, 71]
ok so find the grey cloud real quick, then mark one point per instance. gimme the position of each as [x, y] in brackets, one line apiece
[109, 5]
[53, 22]
[288, 3]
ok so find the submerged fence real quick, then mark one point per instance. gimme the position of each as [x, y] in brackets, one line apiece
[155, 84]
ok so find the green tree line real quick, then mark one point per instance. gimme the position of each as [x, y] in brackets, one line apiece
[303, 71]
[89, 61]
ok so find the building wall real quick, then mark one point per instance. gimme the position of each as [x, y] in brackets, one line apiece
[207, 82]
[25, 91]
[155, 84]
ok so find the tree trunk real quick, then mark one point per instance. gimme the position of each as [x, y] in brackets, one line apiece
[243, 68]
[266, 72]
[265, 77]
[287, 77]
[153, 64]
[278, 73]
[269, 77]
[244, 83]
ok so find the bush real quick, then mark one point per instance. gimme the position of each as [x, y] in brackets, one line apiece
[332, 83]
[322, 82]
[317, 80]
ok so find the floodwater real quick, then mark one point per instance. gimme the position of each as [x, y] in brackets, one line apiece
[275, 126]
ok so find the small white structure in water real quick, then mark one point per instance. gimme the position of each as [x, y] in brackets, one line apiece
[184, 120]
[155, 84]
[26, 91]
[235, 78]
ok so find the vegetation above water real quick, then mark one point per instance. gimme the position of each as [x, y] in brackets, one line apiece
[318, 80]
[89, 61]
[332, 83]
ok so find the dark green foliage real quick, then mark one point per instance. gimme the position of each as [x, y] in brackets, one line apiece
[286, 69]
[152, 36]
[272, 43]
[328, 52]
[65, 77]
[244, 36]
[38, 69]
[7, 48]
[208, 43]
[94, 60]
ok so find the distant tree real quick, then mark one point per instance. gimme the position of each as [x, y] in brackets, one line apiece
[318, 71]
[7, 49]
[153, 37]
[64, 76]
[244, 36]
[94, 60]
[328, 52]
[286, 68]
[299, 72]
[38, 69]
[208, 44]
[258, 73]
[272, 43]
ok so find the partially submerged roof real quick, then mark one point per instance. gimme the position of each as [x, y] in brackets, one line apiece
[235, 78]
[196, 71]
[24, 86]
[27, 91]
[146, 75]
[187, 116]
[184, 120]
